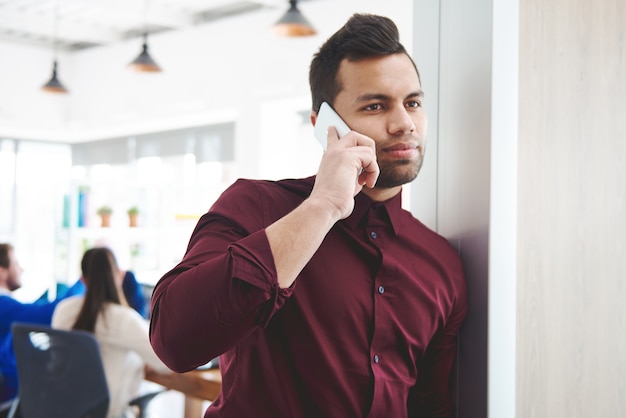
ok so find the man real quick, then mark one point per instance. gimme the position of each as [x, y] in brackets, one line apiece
[11, 311]
[322, 297]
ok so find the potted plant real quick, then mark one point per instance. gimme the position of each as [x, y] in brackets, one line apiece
[105, 215]
[133, 215]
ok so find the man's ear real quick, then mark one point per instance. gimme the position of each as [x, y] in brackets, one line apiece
[313, 117]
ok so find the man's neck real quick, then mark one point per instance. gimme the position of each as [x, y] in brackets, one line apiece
[381, 195]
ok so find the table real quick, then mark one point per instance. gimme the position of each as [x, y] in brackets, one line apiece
[196, 385]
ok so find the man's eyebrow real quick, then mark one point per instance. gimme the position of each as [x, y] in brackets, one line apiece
[384, 97]
[372, 96]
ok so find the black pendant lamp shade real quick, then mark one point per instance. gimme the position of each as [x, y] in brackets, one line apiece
[144, 62]
[293, 23]
[54, 85]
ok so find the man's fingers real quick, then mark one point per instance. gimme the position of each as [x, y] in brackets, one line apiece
[369, 172]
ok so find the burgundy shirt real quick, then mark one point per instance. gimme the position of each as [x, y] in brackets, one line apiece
[368, 329]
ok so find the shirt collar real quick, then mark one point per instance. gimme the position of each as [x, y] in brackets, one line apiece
[4, 291]
[362, 204]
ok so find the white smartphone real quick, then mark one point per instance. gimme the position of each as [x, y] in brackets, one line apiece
[328, 117]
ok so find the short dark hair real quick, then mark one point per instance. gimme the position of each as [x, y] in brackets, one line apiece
[5, 251]
[363, 36]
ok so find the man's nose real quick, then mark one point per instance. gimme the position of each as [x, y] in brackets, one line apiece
[400, 122]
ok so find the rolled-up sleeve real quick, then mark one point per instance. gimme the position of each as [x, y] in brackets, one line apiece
[224, 288]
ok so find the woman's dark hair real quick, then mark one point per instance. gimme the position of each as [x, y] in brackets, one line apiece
[99, 270]
[363, 36]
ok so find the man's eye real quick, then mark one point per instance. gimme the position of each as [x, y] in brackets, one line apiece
[414, 103]
[373, 107]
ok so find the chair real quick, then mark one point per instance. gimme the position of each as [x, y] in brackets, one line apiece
[5, 407]
[2, 405]
[61, 374]
[142, 401]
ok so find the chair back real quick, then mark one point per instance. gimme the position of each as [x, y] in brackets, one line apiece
[60, 373]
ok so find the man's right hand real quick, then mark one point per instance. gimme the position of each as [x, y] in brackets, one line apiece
[348, 165]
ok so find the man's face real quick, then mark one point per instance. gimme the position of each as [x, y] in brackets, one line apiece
[382, 98]
[12, 274]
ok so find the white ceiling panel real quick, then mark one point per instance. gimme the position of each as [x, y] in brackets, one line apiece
[79, 24]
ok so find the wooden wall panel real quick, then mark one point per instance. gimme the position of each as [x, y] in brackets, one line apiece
[571, 349]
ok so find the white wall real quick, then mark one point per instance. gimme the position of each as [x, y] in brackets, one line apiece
[468, 56]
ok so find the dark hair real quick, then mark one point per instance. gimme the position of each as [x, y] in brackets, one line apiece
[5, 250]
[363, 36]
[99, 270]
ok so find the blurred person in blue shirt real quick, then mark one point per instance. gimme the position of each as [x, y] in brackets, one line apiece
[12, 310]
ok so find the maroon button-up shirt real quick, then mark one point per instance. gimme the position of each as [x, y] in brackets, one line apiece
[368, 329]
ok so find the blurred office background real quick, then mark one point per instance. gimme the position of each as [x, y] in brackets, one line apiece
[524, 172]
[232, 100]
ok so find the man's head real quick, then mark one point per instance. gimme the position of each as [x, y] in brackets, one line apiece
[363, 36]
[365, 73]
[10, 270]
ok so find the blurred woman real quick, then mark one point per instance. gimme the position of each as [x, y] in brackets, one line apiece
[120, 330]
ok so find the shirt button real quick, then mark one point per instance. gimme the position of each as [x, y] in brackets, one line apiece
[373, 235]
[381, 289]
[376, 359]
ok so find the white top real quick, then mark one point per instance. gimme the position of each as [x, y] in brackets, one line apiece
[123, 337]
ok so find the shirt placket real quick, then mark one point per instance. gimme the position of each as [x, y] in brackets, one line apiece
[378, 230]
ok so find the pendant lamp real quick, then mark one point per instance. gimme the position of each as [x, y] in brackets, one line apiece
[293, 23]
[54, 85]
[144, 62]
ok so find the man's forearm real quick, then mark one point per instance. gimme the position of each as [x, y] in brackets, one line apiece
[296, 237]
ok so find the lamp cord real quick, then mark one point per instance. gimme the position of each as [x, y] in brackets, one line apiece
[145, 18]
[55, 30]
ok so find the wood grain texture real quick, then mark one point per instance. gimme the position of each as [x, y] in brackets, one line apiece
[200, 384]
[571, 357]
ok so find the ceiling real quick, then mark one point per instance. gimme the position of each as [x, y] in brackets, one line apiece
[80, 24]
